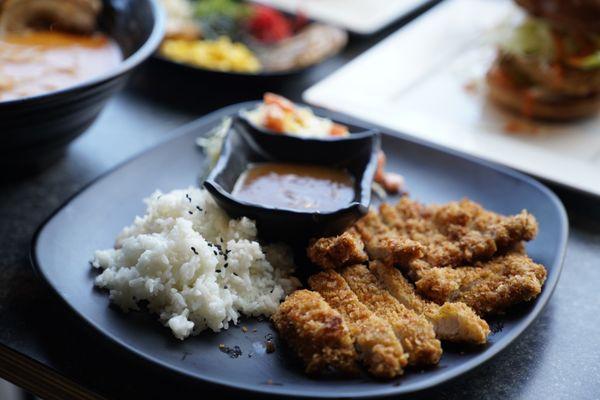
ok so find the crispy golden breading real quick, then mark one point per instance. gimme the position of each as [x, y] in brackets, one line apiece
[413, 330]
[384, 244]
[466, 262]
[453, 322]
[487, 287]
[417, 237]
[458, 232]
[338, 251]
[378, 347]
[316, 332]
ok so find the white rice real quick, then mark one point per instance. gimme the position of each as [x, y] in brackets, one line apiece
[167, 257]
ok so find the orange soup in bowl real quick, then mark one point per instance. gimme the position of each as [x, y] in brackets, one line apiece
[34, 63]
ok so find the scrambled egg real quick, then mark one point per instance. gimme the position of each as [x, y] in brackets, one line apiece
[221, 54]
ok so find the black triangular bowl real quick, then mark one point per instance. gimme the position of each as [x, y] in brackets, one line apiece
[280, 223]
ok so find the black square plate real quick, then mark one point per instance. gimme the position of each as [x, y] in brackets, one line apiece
[64, 245]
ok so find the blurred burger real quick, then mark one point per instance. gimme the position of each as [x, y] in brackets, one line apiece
[548, 67]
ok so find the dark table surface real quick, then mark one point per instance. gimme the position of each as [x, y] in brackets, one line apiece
[46, 349]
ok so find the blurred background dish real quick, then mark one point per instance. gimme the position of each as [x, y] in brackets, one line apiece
[48, 95]
[441, 94]
[233, 38]
[358, 16]
[548, 65]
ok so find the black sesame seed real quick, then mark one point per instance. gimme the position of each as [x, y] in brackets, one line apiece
[235, 274]
[187, 196]
[218, 271]
[226, 264]
[233, 352]
[214, 251]
[225, 287]
[194, 250]
[199, 208]
[190, 212]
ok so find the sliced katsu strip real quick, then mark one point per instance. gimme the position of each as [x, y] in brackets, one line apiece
[317, 333]
[457, 232]
[377, 345]
[488, 287]
[453, 322]
[383, 243]
[414, 331]
[338, 251]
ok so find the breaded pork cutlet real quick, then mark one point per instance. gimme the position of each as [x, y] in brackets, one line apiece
[317, 333]
[414, 331]
[337, 251]
[488, 287]
[377, 345]
[453, 322]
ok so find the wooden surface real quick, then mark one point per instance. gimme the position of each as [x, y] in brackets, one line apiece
[47, 350]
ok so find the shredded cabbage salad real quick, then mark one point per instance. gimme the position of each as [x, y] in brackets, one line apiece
[212, 143]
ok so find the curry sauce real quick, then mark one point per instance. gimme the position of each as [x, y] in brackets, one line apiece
[295, 186]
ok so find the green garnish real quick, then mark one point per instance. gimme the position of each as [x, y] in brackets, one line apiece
[222, 17]
[588, 62]
[532, 38]
[234, 9]
[212, 143]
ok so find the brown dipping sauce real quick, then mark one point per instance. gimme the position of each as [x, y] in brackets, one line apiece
[295, 186]
[33, 63]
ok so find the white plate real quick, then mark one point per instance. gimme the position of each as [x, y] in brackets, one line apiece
[427, 81]
[359, 16]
